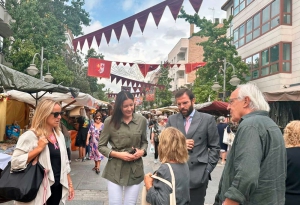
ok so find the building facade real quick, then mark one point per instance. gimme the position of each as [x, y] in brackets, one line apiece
[5, 30]
[266, 34]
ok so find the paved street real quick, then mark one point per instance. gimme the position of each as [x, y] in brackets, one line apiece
[90, 188]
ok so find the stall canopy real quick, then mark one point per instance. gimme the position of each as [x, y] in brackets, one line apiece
[288, 94]
[217, 108]
[14, 80]
[68, 101]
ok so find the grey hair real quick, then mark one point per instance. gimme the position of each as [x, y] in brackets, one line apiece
[257, 99]
[221, 119]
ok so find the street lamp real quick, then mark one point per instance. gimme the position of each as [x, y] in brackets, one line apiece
[234, 81]
[32, 70]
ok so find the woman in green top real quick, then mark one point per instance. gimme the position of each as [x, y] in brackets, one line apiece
[126, 133]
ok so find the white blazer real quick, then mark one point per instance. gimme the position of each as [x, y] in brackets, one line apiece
[27, 142]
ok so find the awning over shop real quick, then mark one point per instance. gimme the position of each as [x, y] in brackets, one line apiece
[14, 80]
[215, 108]
[288, 94]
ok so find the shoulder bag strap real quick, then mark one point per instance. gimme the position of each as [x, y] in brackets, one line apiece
[173, 195]
[162, 180]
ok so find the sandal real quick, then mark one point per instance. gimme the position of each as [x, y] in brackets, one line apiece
[94, 169]
[97, 171]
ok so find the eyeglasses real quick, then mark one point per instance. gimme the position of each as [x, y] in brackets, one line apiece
[232, 100]
[97, 118]
[56, 114]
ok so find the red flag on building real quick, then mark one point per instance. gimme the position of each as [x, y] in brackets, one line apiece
[99, 68]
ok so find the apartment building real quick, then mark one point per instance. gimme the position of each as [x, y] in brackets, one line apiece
[5, 30]
[266, 34]
[185, 51]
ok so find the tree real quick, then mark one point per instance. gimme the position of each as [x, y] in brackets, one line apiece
[39, 24]
[164, 96]
[216, 49]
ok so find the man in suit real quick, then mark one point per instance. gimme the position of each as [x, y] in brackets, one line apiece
[202, 140]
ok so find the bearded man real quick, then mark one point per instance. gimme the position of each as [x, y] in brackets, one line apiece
[202, 140]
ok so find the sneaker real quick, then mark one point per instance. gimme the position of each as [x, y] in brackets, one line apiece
[83, 159]
[155, 161]
[78, 160]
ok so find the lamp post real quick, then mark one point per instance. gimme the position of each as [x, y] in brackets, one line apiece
[234, 81]
[32, 70]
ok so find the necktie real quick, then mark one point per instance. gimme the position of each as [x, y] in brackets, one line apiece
[187, 124]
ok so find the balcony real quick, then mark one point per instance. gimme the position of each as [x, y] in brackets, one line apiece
[5, 18]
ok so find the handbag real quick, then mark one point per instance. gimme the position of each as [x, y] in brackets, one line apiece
[228, 137]
[152, 149]
[172, 185]
[22, 185]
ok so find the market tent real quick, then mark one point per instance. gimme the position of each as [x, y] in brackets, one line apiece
[67, 99]
[215, 108]
[11, 79]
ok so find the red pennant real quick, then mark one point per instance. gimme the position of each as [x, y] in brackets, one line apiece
[112, 77]
[144, 68]
[75, 43]
[172, 65]
[90, 40]
[118, 32]
[131, 64]
[98, 39]
[196, 4]
[124, 63]
[153, 67]
[128, 82]
[134, 88]
[123, 80]
[117, 63]
[107, 35]
[142, 21]
[99, 68]
[195, 66]
[81, 43]
[133, 83]
[175, 7]
[188, 68]
[157, 14]
[118, 78]
[129, 26]
[178, 65]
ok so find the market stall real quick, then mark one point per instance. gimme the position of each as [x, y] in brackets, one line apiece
[217, 108]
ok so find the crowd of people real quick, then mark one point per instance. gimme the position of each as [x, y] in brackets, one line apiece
[260, 167]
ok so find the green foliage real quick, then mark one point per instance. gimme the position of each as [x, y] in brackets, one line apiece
[216, 49]
[43, 23]
[164, 96]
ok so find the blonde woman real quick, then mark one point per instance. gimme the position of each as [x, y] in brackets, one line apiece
[292, 143]
[171, 149]
[45, 140]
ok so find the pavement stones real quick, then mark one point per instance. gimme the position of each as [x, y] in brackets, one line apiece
[90, 188]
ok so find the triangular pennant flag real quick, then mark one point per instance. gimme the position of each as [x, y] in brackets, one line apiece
[157, 14]
[153, 67]
[134, 88]
[90, 40]
[107, 35]
[75, 43]
[175, 7]
[123, 80]
[195, 66]
[112, 77]
[133, 83]
[144, 68]
[178, 65]
[118, 31]
[128, 82]
[117, 63]
[172, 65]
[142, 21]
[118, 78]
[124, 63]
[81, 43]
[99, 68]
[129, 26]
[131, 64]
[98, 38]
[196, 4]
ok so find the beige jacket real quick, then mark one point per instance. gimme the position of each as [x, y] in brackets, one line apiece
[27, 142]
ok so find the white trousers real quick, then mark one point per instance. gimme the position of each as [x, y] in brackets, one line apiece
[115, 193]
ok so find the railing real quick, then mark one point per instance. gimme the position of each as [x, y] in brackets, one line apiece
[2, 3]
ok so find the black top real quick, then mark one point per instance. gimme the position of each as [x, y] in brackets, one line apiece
[293, 171]
[55, 162]
[83, 128]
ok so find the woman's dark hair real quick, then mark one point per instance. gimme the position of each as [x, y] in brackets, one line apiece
[98, 114]
[117, 113]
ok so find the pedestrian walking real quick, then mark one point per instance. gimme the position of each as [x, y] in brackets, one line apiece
[202, 141]
[125, 131]
[158, 126]
[223, 127]
[83, 128]
[292, 143]
[255, 170]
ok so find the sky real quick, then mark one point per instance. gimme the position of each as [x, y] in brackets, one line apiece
[151, 46]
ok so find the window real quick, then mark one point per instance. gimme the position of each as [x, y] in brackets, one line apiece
[265, 20]
[287, 12]
[239, 5]
[1, 44]
[269, 61]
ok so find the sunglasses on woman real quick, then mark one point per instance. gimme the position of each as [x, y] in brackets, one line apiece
[97, 118]
[56, 114]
